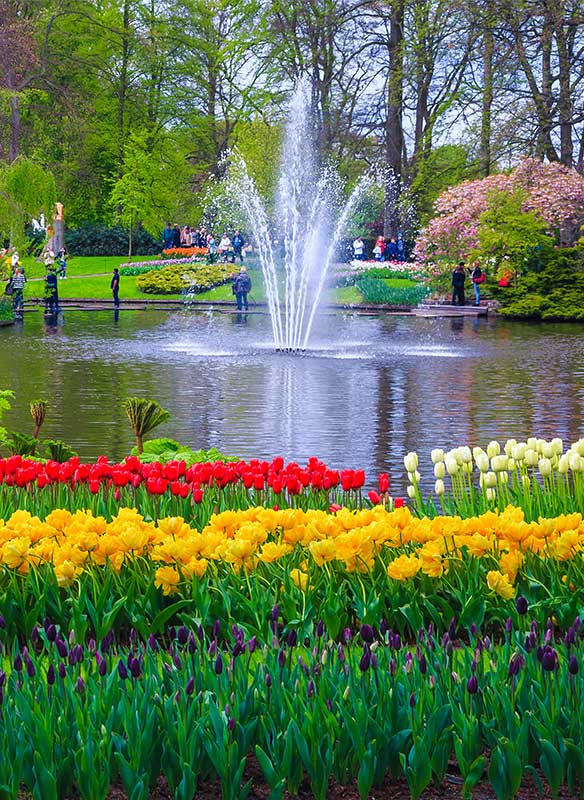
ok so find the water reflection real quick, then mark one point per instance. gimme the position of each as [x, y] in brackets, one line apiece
[369, 389]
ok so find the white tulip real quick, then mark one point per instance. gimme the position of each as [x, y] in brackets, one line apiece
[482, 460]
[411, 492]
[525, 480]
[451, 465]
[411, 462]
[476, 451]
[545, 466]
[493, 449]
[511, 464]
[490, 479]
[541, 443]
[531, 458]
[579, 447]
[547, 450]
[439, 487]
[518, 451]
[564, 464]
[503, 477]
[532, 443]
[499, 463]
[439, 469]
[457, 454]
[509, 445]
[465, 454]
[558, 446]
[436, 456]
[491, 494]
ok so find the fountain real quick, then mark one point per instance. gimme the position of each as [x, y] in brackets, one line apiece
[308, 228]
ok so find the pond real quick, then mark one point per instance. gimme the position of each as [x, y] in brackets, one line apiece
[369, 389]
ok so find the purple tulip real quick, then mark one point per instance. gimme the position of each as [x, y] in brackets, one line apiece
[34, 634]
[527, 644]
[218, 664]
[549, 659]
[423, 665]
[216, 629]
[383, 628]
[341, 653]
[275, 612]
[573, 665]
[192, 643]
[310, 688]
[135, 668]
[412, 700]
[152, 643]
[92, 645]
[190, 686]
[367, 633]
[473, 629]
[508, 625]
[570, 637]
[268, 680]
[515, 664]
[282, 658]
[521, 605]
[2, 678]
[397, 642]
[102, 667]
[122, 671]
[576, 624]
[80, 685]
[176, 660]
[182, 635]
[252, 644]
[62, 670]
[452, 629]
[18, 662]
[292, 637]
[373, 661]
[392, 666]
[2, 622]
[365, 661]
[329, 704]
[30, 670]
[61, 647]
[319, 629]
[212, 649]
[231, 723]
[347, 635]
[51, 677]
[200, 633]
[472, 685]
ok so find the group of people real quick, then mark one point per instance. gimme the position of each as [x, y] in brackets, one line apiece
[391, 250]
[477, 277]
[226, 250]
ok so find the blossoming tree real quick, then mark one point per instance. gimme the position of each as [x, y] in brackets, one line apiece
[553, 192]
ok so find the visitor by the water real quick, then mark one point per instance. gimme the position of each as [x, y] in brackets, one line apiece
[51, 293]
[241, 287]
[238, 245]
[18, 282]
[458, 279]
[115, 286]
[477, 277]
[359, 249]
[167, 237]
[62, 262]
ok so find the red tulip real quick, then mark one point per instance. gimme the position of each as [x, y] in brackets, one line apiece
[374, 497]
[383, 482]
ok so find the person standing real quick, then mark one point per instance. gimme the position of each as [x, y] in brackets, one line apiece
[477, 276]
[238, 245]
[458, 279]
[241, 287]
[392, 250]
[175, 237]
[401, 248]
[62, 262]
[115, 287]
[51, 292]
[359, 249]
[379, 249]
[167, 237]
[18, 282]
[212, 248]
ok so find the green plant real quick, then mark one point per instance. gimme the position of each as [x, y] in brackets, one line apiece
[164, 450]
[98, 239]
[195, 278]
[402, 292]
[144, 416]
[19, 444]
[6, 309]
[58, 450]
[38, 410]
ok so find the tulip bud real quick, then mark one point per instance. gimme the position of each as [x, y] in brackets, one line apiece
[412, 700]
[493, 449]
[80, 685]
[491, 494]
[365, 661]
[411, 492]
[521, 605]
[190, 687]
[366, 632]
[268, 680]
[439, 470]
[51, 677]
[218, 664]
[545, 467]
[472, 685]
[439, 488]
[573, 665]
[437, 456]
[122, 671]
[62, 670]
[482, 462]
[451, 465]
[411, 462]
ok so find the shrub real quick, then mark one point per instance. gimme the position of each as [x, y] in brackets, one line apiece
[555, 293]
[195, 278]
[6, 311]
[97, 239]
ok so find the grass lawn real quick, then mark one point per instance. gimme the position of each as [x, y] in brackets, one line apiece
[96, 288]
[347, 295]
[80, 265]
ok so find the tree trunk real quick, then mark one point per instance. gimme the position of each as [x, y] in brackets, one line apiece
[14, 148]
[565, 93]
[393, 125]
[487, 99]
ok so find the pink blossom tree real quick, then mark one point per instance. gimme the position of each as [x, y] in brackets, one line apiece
[553, 192]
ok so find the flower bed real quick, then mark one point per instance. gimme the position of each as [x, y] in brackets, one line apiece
[184, 276]
[177, 252]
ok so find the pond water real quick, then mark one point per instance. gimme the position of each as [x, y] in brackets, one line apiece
[369, 389]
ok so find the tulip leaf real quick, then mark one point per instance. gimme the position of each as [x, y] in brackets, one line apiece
[167, 613]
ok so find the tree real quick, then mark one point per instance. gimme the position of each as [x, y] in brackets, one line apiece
[26, 190]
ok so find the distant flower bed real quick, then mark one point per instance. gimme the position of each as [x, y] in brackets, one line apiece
[177, 252]
[183, 275]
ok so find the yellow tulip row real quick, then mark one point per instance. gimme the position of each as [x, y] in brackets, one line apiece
[72, 542]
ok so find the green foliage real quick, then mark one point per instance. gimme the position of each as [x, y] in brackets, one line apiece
[58, 450]
[445, 166]
[99, 239]
[142, 269]
[512, 237]
[555, 293]
[26, 190]
[173, 280]
[6, 309]
[259, 143]
[164, 450]
[144, 415]
[400, 291]
[19, 444]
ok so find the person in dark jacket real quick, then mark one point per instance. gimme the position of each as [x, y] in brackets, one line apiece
[477, 277]
[241, 286]
[175, 236]
[238, 243]
[458, 279]
[115, 287]
[167, 237]
[51, 292]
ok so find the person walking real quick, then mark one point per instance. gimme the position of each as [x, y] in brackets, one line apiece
[478, 277]
[167, 237]
[458, 279]
[18, 282]
[115, 287]
[238, 244]
[241, 287]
